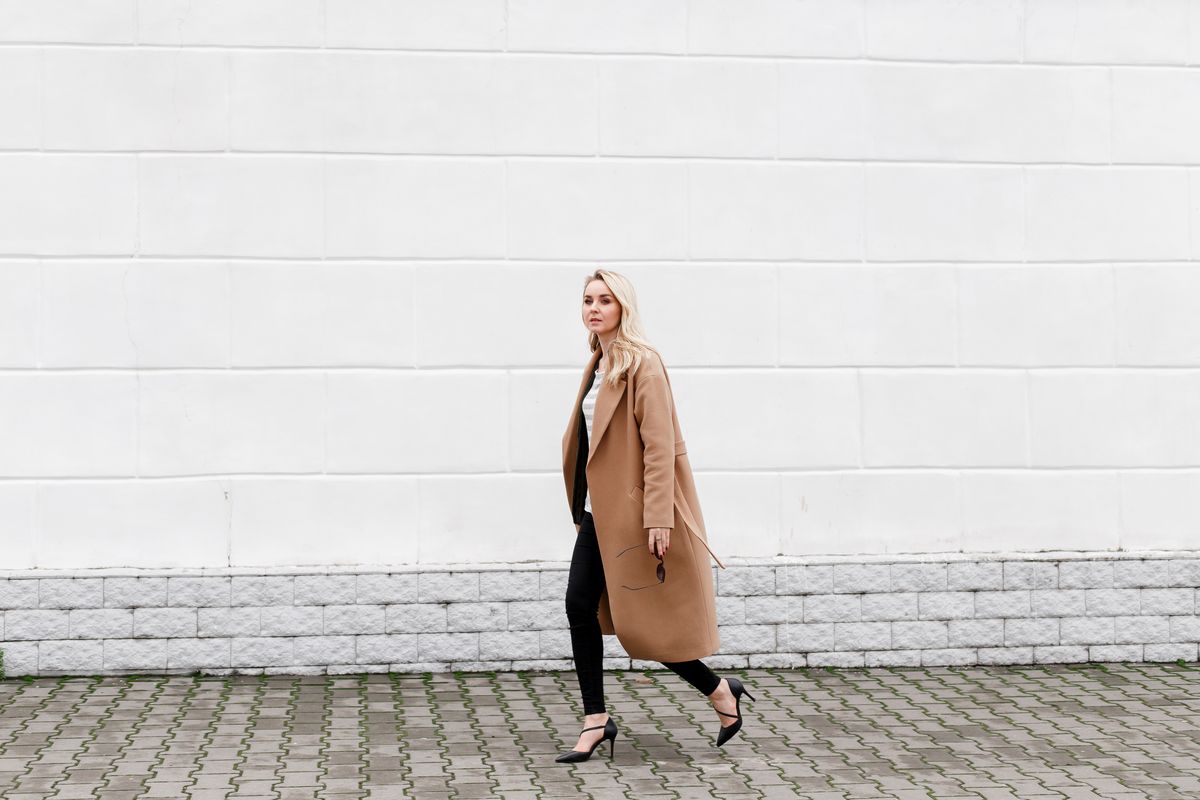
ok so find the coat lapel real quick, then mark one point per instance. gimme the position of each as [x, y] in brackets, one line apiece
[606, 405]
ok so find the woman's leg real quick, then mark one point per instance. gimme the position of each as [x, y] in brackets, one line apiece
[697, 673]
[585, 583]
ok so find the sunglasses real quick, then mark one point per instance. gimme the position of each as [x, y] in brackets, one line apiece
[660, 571]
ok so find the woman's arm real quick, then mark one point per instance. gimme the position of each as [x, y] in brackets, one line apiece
[652, 408]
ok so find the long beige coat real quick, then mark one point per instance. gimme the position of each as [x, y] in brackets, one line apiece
[639, 475]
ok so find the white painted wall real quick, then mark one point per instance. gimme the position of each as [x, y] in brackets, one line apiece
[295, 282]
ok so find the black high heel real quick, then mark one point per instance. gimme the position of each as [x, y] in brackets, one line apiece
[727, 732]
[610, 733]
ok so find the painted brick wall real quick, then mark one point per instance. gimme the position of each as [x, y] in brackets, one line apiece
[295, 282]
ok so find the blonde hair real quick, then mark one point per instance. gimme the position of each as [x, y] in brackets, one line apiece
[629, 345]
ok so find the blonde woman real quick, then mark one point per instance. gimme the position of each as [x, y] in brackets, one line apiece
[640, 567]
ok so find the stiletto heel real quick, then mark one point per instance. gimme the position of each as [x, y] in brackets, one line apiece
[610, 733]
[727, 732]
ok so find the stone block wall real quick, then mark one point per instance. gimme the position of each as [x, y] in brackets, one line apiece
[842, 613]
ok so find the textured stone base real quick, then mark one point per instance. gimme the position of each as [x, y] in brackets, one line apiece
[836, 613]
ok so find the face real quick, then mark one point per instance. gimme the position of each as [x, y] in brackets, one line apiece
[601, 311]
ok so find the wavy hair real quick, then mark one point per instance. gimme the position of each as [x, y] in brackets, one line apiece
[629, 346]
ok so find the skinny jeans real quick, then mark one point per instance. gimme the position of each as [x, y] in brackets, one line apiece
[585, 583]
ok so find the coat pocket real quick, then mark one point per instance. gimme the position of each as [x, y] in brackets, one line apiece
[636, 493]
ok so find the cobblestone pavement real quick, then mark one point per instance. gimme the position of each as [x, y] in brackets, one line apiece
[1118, 730]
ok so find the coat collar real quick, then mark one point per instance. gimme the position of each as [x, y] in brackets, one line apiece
[606, 401]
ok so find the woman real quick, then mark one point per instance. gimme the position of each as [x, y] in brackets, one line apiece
[640, 566]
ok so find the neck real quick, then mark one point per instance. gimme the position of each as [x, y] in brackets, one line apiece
[604, 343]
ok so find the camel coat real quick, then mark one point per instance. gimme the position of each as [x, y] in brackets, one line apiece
[637, 468]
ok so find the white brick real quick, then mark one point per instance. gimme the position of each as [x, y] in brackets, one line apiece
[552, 584]
[101, 21]
[946, 605]
[416, 618]
[805, 637]
[323, 650]
[1113, 601]
[929, 418]
[415, 24]
[1111, 31]
[18, 593]
[1031, 631]
[945, 31]
[1184, 572]
[680, 107]
[1150, 573]
[135, 654]
[772, 610]
[967, 213]
[1142, 630]
[437, 587]
[165, 622]
[1157, 323]
[1012, 603]
[1106, 213]
[975, 632]
[596, 209]
[135, 99]
[70, 657]
[19, 313]
[1087, 630]
[1005, 655]
[322, 590]
[185, 591]
[1115, 652]
[101, 623]
[1170, 652]
[962, 575]
[318, 314]
[20, 658]
[442, 339]
[1060, 655]
[608, 26]
[987, 113]
[134, 523]
[1030, 575]
[228, 621]
[387, 588]
[1057, 603]
[1067, 315]
[21, 96]
[862, 578]
[554, 643]
[508, 644]
[262, 590]
[292, 621]
[861, 635]
[913, 577]
[892, 658]
[867, 314]
[231, 205]
[832, 607]
[775, 211]
[477, 616]
[68, 424]
[261, 652]
[516, 585]
[366, 435]
[945, 656]
[1085, 574]
[775, 27]
[533, 616]
[923, 634]
[354, 619]
[71, 592]
[747, 639]
[388, 648]
[232, 22]
[198, 653]
[133, 592]
[1168, 601]
[1183, 629]
[448, 646]
[804, 579]
[211, 422]
[746, 581]
[846, 659]
[731, 610]
[1155, 117]
[386, 207]
[889, 605]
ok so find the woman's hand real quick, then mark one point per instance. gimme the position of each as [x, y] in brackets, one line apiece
[660, 537]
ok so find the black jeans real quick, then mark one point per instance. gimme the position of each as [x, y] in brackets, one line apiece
[584, 586]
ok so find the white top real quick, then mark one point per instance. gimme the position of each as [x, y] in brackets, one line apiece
[589, 411]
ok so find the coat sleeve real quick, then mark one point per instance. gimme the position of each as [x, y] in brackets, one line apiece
[652, 407]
